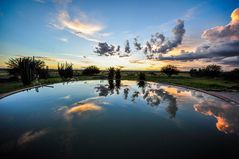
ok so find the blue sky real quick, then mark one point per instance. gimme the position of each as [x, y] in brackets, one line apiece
[46, 27]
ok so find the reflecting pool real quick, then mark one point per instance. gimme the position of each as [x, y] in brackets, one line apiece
[117, 119]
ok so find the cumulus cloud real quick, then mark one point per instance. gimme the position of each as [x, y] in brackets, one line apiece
[158, 44]
[222, 43]
[224, 33]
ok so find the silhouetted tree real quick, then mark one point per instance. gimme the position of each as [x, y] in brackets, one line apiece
[142, 76]
[213, 70]
[91, 70]
[111, 73]
[170, 70]
[117, 74]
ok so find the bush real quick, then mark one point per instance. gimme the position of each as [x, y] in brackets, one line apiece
[27, 68]
[65, 70]
[170, 70]
[91, 70]
[111, 73]
[117, 74]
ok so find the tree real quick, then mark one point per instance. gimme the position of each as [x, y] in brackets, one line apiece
[91, 70]
[213, 70]
[117, 74]
[28, 68]
[142, 76]
[65, 70]
[170, 70]
[111, 73]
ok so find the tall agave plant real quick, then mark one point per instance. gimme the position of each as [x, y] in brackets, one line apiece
[26, 67]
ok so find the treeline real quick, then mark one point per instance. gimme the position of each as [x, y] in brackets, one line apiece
[29, 69]
[213, 71]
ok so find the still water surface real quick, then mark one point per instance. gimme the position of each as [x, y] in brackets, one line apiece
[119, 119]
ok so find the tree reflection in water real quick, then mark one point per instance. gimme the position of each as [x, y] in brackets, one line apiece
[153, 96]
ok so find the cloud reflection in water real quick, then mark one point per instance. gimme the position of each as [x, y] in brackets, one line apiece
[227, 115]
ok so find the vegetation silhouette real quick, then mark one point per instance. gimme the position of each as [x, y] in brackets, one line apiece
[91, 70]
[170, 70]
[28, 68]
[209, 71]
[65, 71]
[111, 73]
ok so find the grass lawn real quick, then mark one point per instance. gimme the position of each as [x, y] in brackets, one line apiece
[180, 79]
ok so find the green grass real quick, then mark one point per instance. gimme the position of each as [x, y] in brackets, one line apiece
[181, 79]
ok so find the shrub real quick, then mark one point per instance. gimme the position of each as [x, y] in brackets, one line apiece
[170, 70]
[65, 70]
[91, 70]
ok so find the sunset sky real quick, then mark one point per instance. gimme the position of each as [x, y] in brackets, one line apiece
[186, 33]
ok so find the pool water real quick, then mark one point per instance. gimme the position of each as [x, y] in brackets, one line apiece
[117, 119]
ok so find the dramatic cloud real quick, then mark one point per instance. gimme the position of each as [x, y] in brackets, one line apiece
[224, 33]
[178, 32]
[222, 43]
[158, 45]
